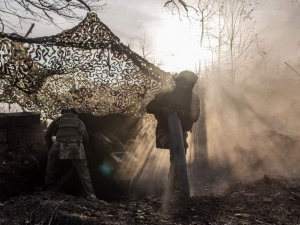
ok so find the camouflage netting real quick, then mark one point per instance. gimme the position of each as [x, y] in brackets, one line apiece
[85, 67]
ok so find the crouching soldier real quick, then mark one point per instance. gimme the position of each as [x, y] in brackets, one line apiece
[70, 134]
[186, 104]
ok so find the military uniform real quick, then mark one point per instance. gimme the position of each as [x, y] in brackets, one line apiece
[187, 104]
[70, 134]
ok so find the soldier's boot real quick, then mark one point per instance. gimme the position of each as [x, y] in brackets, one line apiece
[91, 197]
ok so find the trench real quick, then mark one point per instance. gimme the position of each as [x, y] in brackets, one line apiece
[23, 170]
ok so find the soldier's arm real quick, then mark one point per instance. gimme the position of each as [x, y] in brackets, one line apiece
[156, 106]
[83, 132]
[50, 133]
[195, 108]
[85, 136]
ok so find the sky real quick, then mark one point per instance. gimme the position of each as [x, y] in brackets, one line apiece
[175, 42]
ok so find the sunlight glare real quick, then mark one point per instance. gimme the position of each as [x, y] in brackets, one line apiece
[179, 45]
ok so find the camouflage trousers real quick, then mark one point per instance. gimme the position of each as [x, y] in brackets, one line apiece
[79, 164]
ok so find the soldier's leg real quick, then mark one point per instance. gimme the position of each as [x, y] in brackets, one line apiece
[52, 164]
[84, 175]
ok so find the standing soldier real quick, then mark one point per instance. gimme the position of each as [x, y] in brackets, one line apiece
[70, 134]
[186, 104]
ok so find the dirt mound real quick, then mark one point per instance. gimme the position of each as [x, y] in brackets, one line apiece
[271, 200]
[21, 170]
[57, 208]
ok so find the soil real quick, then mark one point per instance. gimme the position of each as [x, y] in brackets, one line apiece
[270, 200]
[21, 170]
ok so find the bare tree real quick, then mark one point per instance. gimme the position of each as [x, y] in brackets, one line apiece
[144, 45]
[206, 11]
[177, 4]
[232, 26]
[130, 43]
[179, 7]
[239, 32]
[43, 11]
[221, 28]
[296, 2]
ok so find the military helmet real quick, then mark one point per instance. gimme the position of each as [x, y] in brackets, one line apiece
[187, 76]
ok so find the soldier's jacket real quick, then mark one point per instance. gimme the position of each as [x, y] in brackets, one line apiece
[70, 134]
[174, 100]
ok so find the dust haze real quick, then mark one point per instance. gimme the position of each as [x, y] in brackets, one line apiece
[251, 130]
[247, 129]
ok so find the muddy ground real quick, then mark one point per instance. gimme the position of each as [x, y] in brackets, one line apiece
[270, 200]
[21, 170]
[267, 201]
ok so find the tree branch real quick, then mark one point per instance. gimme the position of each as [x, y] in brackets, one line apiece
[44, 11]
[295, 71]
[82, 2]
